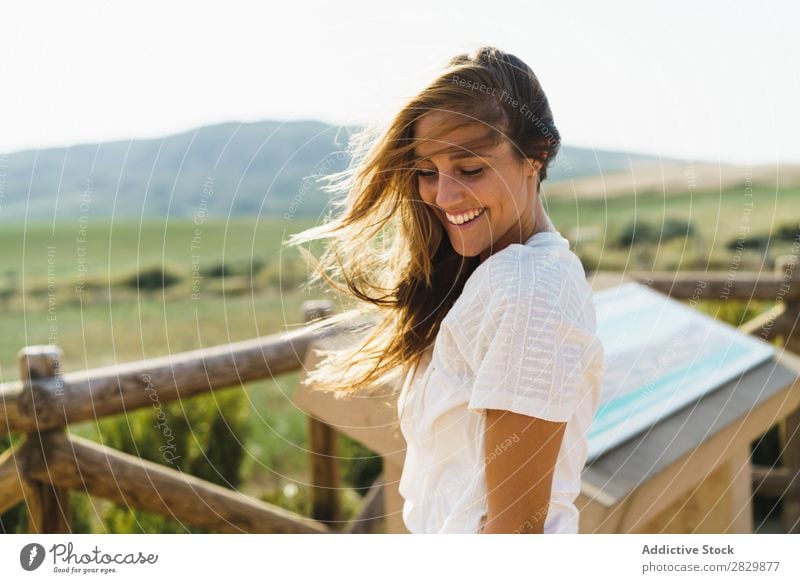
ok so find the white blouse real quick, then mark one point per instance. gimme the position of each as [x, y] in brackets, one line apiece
[520, 337]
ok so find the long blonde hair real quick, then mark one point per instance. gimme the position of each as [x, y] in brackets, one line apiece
[386, 249]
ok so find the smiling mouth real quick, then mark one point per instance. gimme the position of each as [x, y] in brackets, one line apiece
[464, 218]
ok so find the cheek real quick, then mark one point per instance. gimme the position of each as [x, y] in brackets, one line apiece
[426, 193]
[489, 193]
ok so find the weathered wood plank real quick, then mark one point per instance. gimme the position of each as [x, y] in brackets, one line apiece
[82, 465]
[49, 508]
[48, 505]
[84, 395]
[763, 325]
[324, 472]
[741, 285]
[775, 482]
[790, 445]
[10, 415]
[392, 499]
[372, 510]
[11, 492]
[720, 503]
[368, 417]
[325, 505]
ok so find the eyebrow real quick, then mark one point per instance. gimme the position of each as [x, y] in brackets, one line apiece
[479, 153]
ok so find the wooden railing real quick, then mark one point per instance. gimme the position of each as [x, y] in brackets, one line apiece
[48, 463]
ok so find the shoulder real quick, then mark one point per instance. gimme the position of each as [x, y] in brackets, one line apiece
[522, 290]
[521, 277]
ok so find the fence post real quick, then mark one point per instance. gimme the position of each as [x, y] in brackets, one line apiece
[48, 506]
[325, 505]
[789, 429]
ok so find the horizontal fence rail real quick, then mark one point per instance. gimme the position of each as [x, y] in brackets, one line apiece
[50, 402]
[79, 464]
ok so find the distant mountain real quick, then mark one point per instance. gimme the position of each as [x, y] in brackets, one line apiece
[230, 168]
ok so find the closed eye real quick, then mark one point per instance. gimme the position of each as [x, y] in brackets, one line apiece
[426, 174]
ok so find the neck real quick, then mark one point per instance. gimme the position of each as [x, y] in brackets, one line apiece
[535, 221]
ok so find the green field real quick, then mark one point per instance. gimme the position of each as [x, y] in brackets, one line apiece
[717, 217]
[107, 321]
[118, 246]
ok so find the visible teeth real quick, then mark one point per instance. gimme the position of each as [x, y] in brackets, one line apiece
[464, 217]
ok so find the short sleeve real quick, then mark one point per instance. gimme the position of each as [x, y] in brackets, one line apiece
[531, 354]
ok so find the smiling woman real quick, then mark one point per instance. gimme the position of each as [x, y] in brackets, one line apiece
[491, 185]
[483, 312]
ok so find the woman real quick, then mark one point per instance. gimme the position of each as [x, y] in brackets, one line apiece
[480, 305]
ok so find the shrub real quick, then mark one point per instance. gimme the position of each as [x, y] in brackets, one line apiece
[153, 278]
[755, 243]
[677, 229]
[217, 270]
[359, 465]
[221, 458]
[639, 232]
[789, 232]
[202, 436]
[229, 268]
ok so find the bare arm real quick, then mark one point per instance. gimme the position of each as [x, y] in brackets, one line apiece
[521, 453]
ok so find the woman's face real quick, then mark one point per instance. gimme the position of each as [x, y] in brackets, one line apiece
[485, 199]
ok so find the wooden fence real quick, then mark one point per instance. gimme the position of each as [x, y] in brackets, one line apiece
[47, 463]
[43, 467]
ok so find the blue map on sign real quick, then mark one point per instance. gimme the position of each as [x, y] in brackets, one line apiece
[660, 355]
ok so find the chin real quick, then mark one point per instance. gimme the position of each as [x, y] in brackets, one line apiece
[468, 251]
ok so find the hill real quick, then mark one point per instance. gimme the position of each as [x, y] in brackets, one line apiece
[670, 178]
[246, 169]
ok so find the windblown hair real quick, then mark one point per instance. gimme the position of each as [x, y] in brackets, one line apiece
[387, 250]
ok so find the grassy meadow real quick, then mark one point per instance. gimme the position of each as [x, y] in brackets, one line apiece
[718, 219]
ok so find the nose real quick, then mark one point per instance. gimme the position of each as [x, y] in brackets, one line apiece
[450, 192]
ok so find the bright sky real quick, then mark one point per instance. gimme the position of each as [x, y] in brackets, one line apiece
[702, 80]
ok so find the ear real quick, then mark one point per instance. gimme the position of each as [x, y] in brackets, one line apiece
[534, 166]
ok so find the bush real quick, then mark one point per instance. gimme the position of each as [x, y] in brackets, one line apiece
[789, 232]
[359, 465]
[677, 229]
[639, 232]
[153, 278]
[202, 436]
[300, 502]
[229, 268]
[754, 243]
[214, 422]
[120, 519]
[217, 270]
[221, 459]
